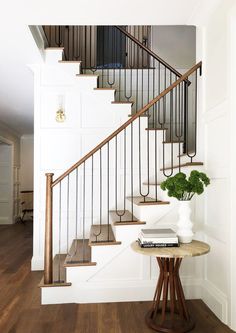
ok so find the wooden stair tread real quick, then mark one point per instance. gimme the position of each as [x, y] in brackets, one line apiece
[184, 165]
[56, 283]
[54, 48]
[152, 183]
[124, 102]
[79, 254]
[104, 89]
[148, 201]
[185, 154]
[87, 75]
[69, 61]
[173, 141]
[143, 115]
[126, 219]
[156, 129]
[105, 235]
[122, 68]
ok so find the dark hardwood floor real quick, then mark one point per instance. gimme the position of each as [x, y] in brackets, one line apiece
[21, 312]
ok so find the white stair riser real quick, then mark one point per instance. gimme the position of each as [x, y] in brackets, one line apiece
[127, 233]
[86, 82]
[52, 56]
[148, 213]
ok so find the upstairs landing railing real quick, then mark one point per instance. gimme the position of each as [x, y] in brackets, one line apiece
[122, 61]
[100, 182]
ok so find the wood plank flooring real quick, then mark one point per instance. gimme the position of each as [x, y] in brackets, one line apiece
[21, 312]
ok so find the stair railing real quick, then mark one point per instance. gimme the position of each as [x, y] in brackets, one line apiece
[116, 168]
[121, 60]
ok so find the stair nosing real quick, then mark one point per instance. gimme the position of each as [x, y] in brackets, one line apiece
[87, 75]
[109, 89]
[104, 243]
[115, 102]
[54, 284]
[156, 129]
[91, 263]
[69, 61]
[168, 142]
[184, 165]
[128, 223]
[55, 48]
[151, 184]
[149, 203]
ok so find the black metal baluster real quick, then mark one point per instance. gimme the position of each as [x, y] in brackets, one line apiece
[92, 188]
[100, 196]
[85, 46]
[132, 171]
[137, 79]
[179, 127]
[142, 80]
[76, 212]
[83, 212]
[171, 120]
[194, 148]
[90, 46]
[111, 70]
[108, 191]
[119, 87]
[159, 91]
[59, 237]
[195, 116]
[185, 117]
[68, 210]
[140, 163]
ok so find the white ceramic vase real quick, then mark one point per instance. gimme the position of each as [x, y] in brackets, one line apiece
[184, 231]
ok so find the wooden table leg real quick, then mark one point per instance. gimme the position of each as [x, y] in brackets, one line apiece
[173, 319]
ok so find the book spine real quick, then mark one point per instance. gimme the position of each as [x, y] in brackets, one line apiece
[158, 235]
[159, 240]
[159, 245]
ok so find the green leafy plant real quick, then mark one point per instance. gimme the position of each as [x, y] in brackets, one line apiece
[182, 188]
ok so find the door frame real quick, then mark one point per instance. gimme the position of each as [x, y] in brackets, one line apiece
[232, 85]
[11, 145]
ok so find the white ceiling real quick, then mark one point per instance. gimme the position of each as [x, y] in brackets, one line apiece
[18, 49]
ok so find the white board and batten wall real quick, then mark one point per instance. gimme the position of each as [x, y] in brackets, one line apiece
[215, 47]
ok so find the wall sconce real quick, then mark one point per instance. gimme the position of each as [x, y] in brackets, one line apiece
[60, 113]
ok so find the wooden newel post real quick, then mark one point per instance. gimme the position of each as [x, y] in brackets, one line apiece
[48, 272]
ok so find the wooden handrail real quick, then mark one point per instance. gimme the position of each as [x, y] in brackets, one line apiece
[128, 122]
[151, 53]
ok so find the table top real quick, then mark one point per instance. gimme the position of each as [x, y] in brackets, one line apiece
[193, 249]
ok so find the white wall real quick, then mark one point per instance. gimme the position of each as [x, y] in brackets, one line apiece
[213, 47]
[90, 117]
[175, 44]
[27, 162]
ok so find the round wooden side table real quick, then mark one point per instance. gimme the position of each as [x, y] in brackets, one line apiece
[173, 317]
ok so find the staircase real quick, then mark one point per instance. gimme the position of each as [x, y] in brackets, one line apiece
[97, 207]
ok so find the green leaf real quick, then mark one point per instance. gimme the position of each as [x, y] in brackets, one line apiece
[180, 187]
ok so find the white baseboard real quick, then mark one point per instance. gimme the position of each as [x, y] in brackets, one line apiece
[216, 300]
[37, 264]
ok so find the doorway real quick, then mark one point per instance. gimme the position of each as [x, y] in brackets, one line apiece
[111, 47]
[6, 182]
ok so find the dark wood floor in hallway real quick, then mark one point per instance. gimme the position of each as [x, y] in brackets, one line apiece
[21, 312]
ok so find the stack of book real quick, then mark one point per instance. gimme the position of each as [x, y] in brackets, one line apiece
[158, 238]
